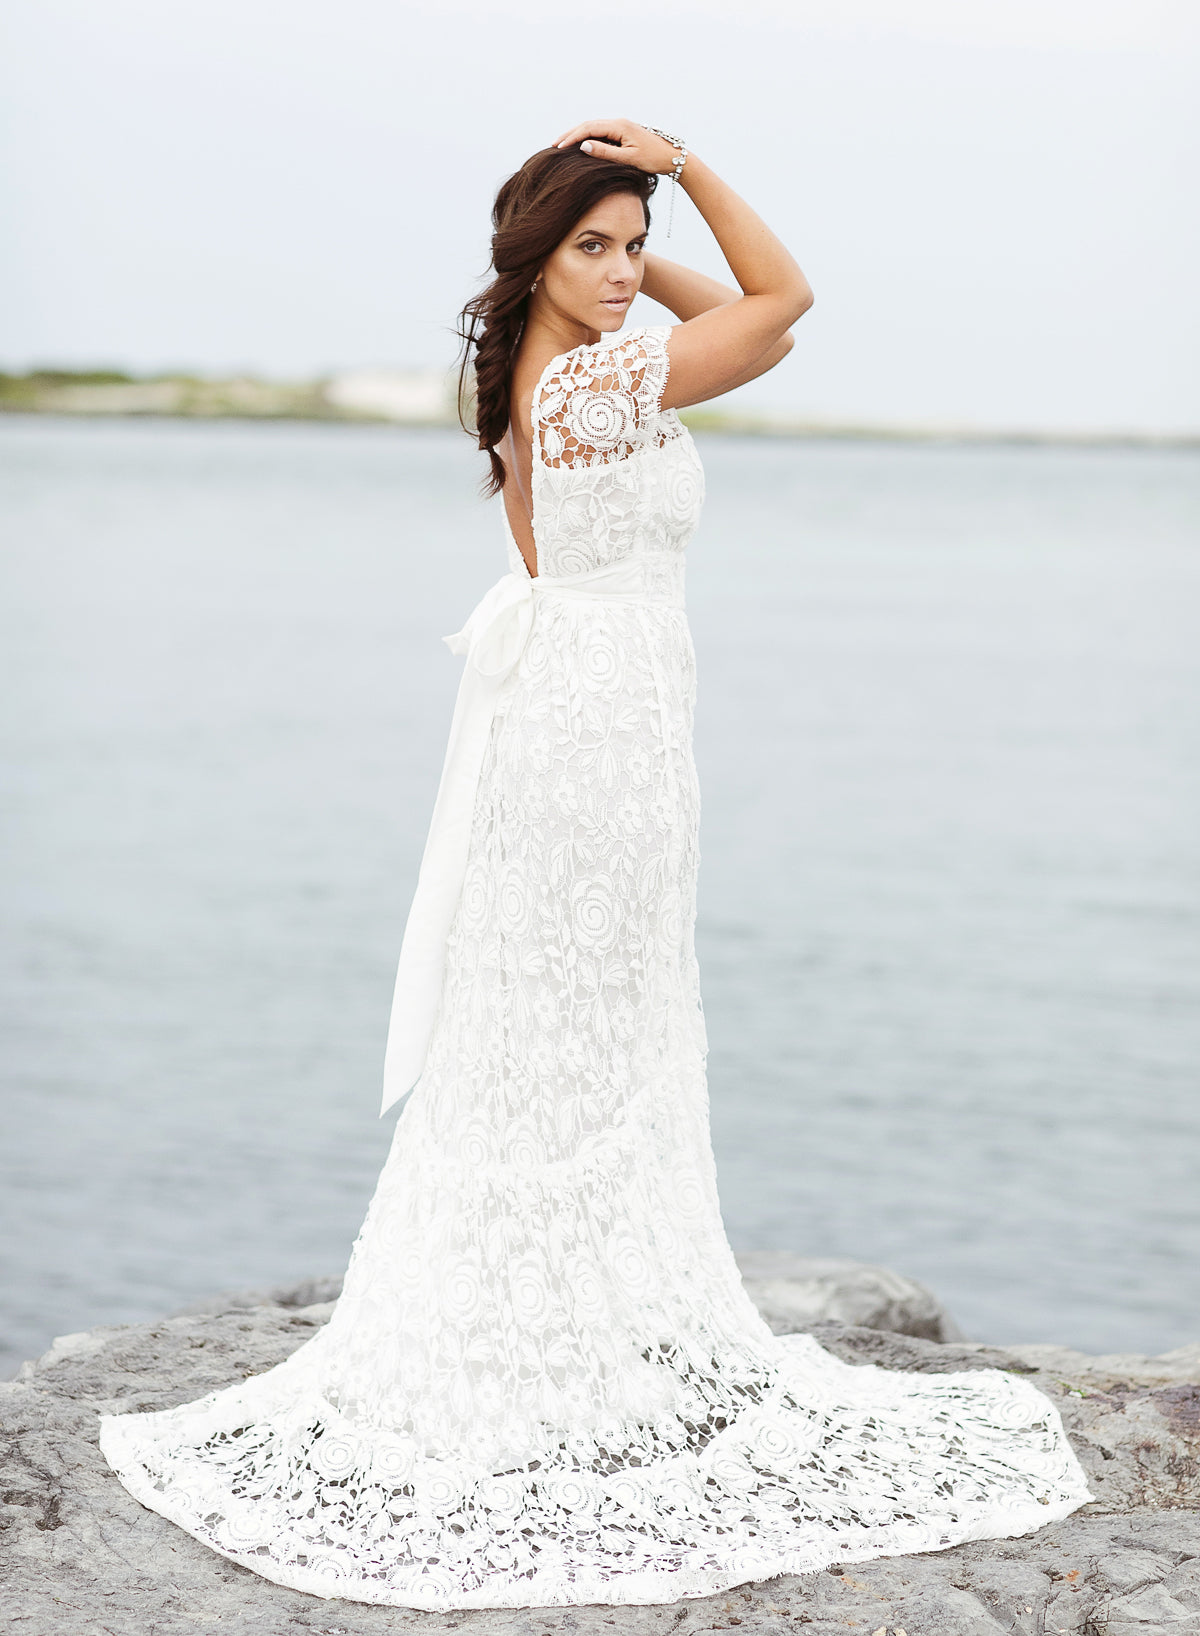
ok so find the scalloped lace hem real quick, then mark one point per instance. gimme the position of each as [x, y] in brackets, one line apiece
[560, 1588]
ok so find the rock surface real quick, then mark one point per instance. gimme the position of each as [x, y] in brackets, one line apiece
[80, 1557]
[794, 1292]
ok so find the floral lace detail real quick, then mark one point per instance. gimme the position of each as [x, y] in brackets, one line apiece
[544, 1383]
[604, 403]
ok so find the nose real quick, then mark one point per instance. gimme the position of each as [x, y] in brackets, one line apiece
[622, 270]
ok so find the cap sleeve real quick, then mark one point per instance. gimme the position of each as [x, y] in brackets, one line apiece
[601, 402]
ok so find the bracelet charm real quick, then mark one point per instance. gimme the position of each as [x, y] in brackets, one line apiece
[678, 164]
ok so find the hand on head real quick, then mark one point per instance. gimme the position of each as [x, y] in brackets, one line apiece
[624, 141]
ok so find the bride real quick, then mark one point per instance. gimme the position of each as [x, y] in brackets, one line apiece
[544, 1383]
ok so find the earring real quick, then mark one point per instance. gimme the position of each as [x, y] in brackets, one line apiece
[533, 286]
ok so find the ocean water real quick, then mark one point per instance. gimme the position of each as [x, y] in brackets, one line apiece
[949, 747]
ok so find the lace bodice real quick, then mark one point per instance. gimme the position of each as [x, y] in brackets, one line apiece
[614, 474]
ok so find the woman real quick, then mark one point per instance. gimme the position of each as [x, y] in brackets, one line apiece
[544, 1382]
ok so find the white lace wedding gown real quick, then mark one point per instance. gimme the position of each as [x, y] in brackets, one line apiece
[544, 1383]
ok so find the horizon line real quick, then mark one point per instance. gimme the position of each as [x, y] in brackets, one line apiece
[425, 398]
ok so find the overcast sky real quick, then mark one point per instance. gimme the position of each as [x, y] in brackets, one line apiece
[995, 203]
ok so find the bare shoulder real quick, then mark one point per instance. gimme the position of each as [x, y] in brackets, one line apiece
[526, 377]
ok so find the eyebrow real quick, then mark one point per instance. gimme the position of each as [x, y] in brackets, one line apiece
[609, 238]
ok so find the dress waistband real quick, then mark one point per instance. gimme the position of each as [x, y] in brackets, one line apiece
[492, 640]
[498, 627]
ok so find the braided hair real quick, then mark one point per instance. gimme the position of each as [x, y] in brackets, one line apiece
[535, 210]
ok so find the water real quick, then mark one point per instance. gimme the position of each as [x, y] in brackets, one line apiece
[949, 744]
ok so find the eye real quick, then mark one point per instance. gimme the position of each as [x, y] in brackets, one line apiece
[592, 244]
[636, 248]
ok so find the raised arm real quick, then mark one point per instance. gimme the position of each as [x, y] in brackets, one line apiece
[687, 294]
[719, 348]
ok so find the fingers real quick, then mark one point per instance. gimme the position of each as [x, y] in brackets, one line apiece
[604, 150]
[607, 130]
[614, 139]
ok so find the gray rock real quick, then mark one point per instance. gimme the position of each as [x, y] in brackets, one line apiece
[80, 1557]
[309, 1292]
[793, 1292]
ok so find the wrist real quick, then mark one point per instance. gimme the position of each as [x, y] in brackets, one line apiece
[691, 171]
[679, 153]
[678, 164]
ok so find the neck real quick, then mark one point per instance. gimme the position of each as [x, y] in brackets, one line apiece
[552, 332]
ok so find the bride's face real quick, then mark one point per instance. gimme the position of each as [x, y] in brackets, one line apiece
[597, 269]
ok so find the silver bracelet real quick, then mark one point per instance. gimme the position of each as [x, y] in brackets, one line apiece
[678, 164]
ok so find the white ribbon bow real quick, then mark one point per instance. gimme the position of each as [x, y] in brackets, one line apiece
[492, 639]
[497, 630]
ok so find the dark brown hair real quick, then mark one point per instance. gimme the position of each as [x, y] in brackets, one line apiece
[533, 213]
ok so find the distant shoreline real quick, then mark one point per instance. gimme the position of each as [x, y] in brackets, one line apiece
[425, 399]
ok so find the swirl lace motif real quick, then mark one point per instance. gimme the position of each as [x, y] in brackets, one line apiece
[543, 1382]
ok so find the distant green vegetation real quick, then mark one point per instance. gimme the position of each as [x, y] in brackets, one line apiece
[67, 377]
[27, 391]
[115, 392]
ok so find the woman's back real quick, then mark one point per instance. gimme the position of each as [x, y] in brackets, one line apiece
[612, 474]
